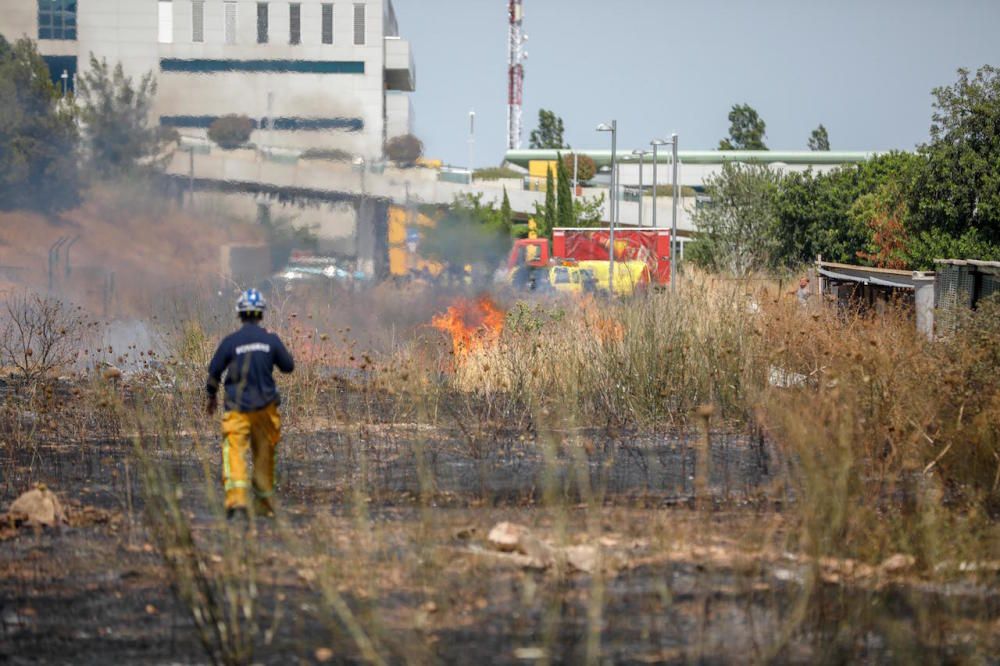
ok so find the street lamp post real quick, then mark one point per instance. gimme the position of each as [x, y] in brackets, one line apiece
[674, 245]
[641, 154]
[612, 209]
[472, 143]
[655, 143]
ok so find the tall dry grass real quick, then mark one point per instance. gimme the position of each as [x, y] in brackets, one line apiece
[887, 445]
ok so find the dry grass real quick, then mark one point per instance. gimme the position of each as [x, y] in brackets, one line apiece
[883, 444]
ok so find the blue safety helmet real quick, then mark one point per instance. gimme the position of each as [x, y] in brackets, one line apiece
[251, 301]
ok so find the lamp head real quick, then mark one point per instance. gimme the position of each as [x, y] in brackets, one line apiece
[605, 127]
[658, 142]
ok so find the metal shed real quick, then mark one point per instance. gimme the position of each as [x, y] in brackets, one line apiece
[876, 287]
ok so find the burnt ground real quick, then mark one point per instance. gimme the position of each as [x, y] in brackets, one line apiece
[396, 518]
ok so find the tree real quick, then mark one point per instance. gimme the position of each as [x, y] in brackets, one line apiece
[584, 165]
[405, 150]
[746, 130]
[819, 140]
[960, 188]
[115, 114]
[470, 232]
[565, 214]
[738, 226]
[38, 137]
[506, 216]
[885, 213]
[549, 133]
[231, 132]
[551, 214]
[589, 212]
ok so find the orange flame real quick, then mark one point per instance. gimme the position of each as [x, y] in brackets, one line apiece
[472, 325]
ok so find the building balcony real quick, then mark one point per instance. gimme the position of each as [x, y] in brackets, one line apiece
[400, 72]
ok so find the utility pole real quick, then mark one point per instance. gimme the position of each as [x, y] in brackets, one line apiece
[472, 144]
[612, 207]
[655, 143]
[674, 245]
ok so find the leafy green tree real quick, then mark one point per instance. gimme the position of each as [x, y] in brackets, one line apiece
[746, 130]
[115, 112]
[926, 246]
[589, 212]
[549, 134]
[565, 214]
[404, 150]
[960, 188]
[231, 132]
[818, 215]
[819, 140]
[470, 232]
[738, 226]
[506, 215]
[584, 165]
[38, 137]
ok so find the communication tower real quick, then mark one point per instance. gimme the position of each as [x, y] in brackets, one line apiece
[515, 74]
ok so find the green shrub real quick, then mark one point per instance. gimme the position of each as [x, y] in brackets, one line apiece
[231, 132]
[405, 150]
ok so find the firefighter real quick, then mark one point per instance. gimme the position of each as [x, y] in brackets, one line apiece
[250, 421]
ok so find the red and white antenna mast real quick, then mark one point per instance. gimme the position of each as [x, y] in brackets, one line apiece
[515, 74]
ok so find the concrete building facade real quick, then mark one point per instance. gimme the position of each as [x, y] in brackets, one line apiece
[317, 74]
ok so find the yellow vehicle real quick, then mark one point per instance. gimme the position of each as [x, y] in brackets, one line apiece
[629, 275]
[571, 279]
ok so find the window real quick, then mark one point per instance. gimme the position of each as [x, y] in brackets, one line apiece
[327, 23]
[166, 21]
[198, 21]
[262, 23]
[359, 23]
[57, 19]
[230, 26]
[295, 23]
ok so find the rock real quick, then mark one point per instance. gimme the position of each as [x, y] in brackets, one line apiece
[38, 506]
[530, 653]
[506, 536]
[512, 538]
[582, 558]
[898, 563]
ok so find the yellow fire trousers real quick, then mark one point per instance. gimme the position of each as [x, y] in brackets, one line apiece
[258, 432]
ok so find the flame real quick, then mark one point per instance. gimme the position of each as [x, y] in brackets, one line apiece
[472, 324]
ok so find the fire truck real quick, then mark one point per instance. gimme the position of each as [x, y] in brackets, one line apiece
[642, 260]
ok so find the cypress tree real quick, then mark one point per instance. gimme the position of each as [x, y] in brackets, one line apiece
[564, 196]
[551, 212]
[506, 216]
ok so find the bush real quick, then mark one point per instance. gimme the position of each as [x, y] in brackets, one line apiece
[230, 132]
[405, 150]
[496, 173]
[39, 336]
[587, 167]
[328, 154]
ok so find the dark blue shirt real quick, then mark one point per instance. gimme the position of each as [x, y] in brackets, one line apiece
[247, 357]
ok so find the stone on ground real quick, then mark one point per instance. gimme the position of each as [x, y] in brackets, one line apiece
[38, 506]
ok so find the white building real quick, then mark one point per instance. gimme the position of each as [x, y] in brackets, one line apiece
[311, 74]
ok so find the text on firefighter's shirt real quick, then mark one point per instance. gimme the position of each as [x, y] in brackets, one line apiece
[253, 347]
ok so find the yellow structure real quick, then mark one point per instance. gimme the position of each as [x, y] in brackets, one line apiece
[401, 260]
[538, 173]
